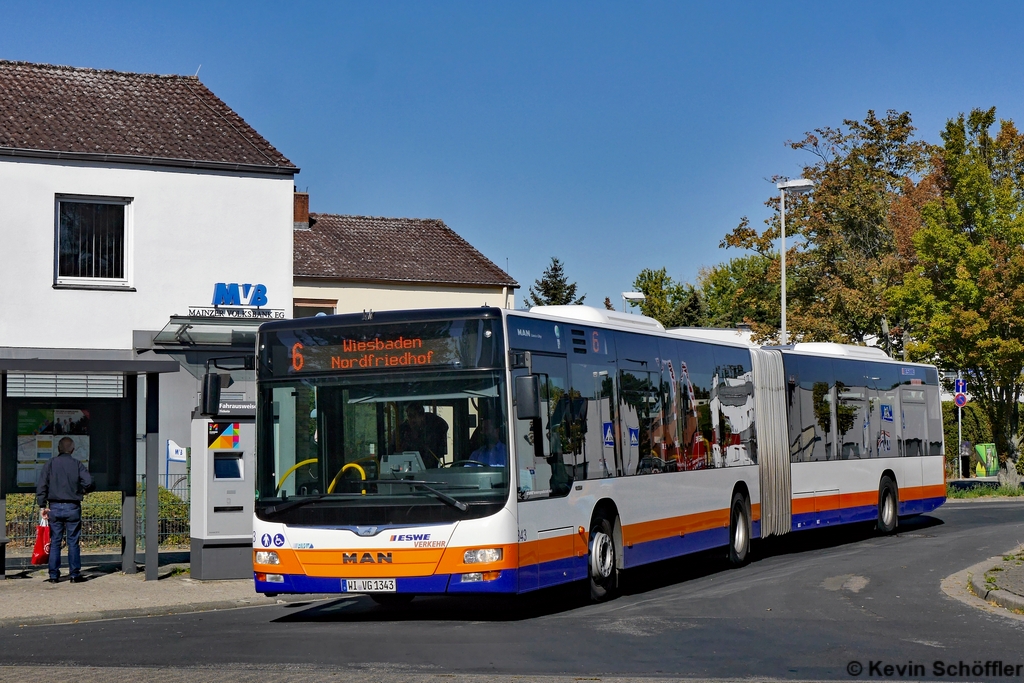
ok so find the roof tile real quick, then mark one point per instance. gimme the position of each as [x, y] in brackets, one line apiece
[48, 108]
[391, 249]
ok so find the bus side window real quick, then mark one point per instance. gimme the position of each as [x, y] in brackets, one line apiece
[696, 369]
[734, 407]
[592, 390]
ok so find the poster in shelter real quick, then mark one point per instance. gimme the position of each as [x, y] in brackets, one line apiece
[40, 430]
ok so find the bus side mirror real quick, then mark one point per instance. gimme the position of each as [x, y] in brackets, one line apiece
[209, 403]
[528, 397]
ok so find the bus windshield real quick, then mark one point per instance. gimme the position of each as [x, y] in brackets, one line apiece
[394, 447]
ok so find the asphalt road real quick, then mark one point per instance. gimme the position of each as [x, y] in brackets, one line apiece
[804, 608]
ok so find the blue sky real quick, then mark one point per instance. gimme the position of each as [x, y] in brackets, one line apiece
[616, 136]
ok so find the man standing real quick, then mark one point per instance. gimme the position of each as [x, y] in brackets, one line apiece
[62, 484]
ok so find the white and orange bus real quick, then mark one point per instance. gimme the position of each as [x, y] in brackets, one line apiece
[501, 451]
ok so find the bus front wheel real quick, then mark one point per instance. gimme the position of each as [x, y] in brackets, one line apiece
[739, 530]
[602, 565]
[888, 505]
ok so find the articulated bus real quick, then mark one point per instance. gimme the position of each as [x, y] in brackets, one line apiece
[503, 451]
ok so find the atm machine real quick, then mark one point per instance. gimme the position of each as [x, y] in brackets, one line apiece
[223, 482]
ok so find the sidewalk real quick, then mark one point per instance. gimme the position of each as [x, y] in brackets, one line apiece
[26, 599]
[1003, 581]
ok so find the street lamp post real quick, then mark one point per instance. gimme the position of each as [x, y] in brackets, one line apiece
[796, 186]
[631, 296]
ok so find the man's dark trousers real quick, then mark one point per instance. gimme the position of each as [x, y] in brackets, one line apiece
[65, 516]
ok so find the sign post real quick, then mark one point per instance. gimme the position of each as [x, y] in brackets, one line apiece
[960, 399]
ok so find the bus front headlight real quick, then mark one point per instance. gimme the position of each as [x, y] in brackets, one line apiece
[267, 557]
[481, 556]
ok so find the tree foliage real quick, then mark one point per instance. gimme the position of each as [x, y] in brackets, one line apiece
[974, 426]
[742, 290]
[964, 298]
[553, 288]
[844, 240]
[673, 304]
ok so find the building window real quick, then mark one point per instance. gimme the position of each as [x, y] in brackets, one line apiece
[307, 308]
[93, 242]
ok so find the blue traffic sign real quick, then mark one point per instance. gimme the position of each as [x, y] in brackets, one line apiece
[959, 386]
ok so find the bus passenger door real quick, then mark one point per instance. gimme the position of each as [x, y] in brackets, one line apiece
[545, 464]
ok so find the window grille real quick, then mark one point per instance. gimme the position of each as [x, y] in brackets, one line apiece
[24, 385]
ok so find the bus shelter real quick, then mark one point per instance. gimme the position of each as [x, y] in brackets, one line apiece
[94, 398]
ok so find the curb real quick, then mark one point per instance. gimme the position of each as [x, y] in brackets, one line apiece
[160, 611]
[960, 586]
[1001, 597]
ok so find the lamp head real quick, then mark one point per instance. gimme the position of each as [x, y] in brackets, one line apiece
[796, 185]
[633, 296]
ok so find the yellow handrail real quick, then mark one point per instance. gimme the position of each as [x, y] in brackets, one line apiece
[292, 469]
[362, 473]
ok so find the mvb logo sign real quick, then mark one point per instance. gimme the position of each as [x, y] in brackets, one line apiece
[234, 294]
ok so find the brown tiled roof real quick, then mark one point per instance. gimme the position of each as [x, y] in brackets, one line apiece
[391, 249]
[67, 112]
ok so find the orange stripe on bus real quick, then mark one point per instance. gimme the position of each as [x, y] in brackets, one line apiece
[370, 562]
[549, 549]
[843, 501]
[919, 492]
[657, 529]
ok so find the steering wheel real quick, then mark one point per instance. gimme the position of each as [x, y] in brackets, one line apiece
[464, 463]
[334, 482]
[290, 470]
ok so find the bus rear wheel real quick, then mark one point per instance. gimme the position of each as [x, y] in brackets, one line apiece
[739, 530]
[604, 574]
[888, 505]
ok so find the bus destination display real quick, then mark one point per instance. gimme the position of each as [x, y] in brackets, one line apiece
[354, 354]
[447, 343]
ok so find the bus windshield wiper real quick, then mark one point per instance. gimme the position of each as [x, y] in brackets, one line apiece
[440, 495]
[289, 504]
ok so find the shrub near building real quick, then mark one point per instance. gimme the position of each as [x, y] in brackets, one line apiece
[101, 519]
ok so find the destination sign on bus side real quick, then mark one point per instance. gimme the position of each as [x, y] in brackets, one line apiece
[356, 354]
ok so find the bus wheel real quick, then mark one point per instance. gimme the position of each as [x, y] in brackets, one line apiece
[391, 599]
[739, 530]
[602, 569]
[888, 506]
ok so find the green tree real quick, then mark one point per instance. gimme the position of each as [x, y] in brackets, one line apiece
[742, 290]
[974, 425]
[843, 240]
[553, 288]
[671, 303]
[964, 299]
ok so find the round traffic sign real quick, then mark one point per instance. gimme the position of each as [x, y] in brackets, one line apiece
[960, 400]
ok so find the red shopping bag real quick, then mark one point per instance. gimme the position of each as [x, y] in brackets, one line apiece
[41, 553]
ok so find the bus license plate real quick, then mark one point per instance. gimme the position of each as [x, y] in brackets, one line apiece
[367, 585]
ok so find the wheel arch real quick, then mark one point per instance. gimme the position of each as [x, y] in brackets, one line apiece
[887, 472]
[741, 488]
[607, 509]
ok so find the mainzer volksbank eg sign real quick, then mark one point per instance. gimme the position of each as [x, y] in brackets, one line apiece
[235, 300]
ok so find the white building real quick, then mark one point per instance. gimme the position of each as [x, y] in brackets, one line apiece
[124, 200]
